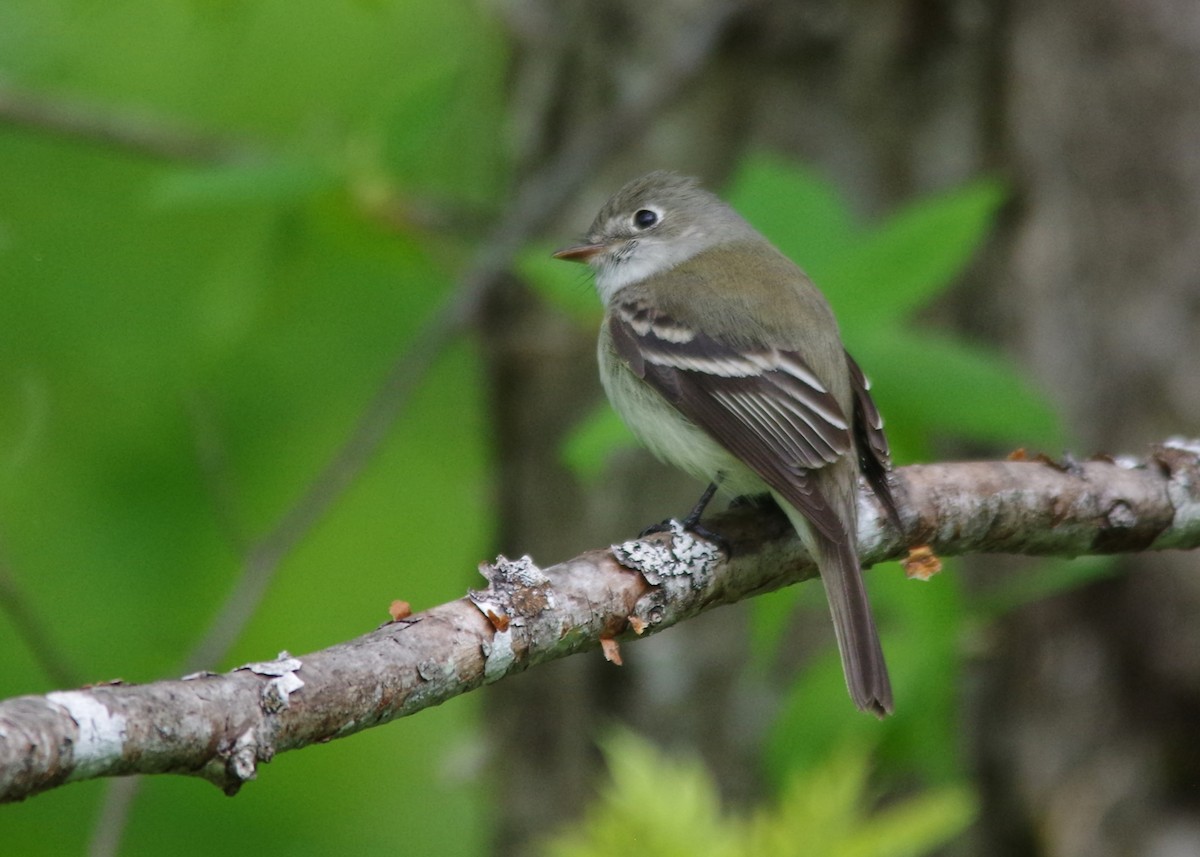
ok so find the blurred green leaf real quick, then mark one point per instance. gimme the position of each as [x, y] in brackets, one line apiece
[444, 129]
[653, 804]
[918, 826]
[823, 812]
[802, 214]
[279, 181]
[772, 613]
[664, 805]
[912, 257]
[929, 385]
[874, 276]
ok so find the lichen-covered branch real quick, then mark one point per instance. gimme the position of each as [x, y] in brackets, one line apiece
[221, 727]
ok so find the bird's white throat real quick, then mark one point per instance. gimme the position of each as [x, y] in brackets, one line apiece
[641, 258]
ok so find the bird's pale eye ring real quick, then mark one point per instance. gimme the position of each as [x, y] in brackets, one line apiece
[644, 218]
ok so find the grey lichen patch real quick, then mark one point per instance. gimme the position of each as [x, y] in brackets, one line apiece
[517, 592]
[1128, 462]
[685, 556]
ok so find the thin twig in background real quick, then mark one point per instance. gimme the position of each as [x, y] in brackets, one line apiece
[31, 629]
[110, 822]
[212, 457]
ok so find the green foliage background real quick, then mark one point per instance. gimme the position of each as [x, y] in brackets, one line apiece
[183, 346]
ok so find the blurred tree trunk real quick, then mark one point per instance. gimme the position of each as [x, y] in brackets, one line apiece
[1089, 711]
[1083, 713]
[573, 60]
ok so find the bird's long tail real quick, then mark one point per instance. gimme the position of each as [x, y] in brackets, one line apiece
[858, 641]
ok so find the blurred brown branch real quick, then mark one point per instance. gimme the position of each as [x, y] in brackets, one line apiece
[118, 128]
[221, 726]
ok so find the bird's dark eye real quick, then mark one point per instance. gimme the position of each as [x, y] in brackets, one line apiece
[644, 218]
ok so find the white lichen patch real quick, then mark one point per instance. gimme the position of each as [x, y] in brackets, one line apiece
[242, 764]
[284, 681]
[498, 656]
[1184, 494]
[1185, 444]
[685, 555]
[873, 528]
[1180, 457]
[101, 733]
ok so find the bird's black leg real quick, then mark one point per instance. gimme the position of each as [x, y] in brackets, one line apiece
[693, 517]
[692, 524]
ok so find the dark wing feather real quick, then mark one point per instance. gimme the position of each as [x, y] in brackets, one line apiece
[874, 457]
[763, 404]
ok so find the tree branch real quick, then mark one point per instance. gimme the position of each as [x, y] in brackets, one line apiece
[220, 727]
[119, 128]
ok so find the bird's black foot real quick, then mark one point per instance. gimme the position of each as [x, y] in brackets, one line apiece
[692, 524]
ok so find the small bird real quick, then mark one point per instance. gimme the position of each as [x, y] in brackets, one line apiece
[725, 360]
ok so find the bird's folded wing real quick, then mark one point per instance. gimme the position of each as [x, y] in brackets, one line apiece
[763, 404]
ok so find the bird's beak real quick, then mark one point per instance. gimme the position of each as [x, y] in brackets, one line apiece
[580, 252]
